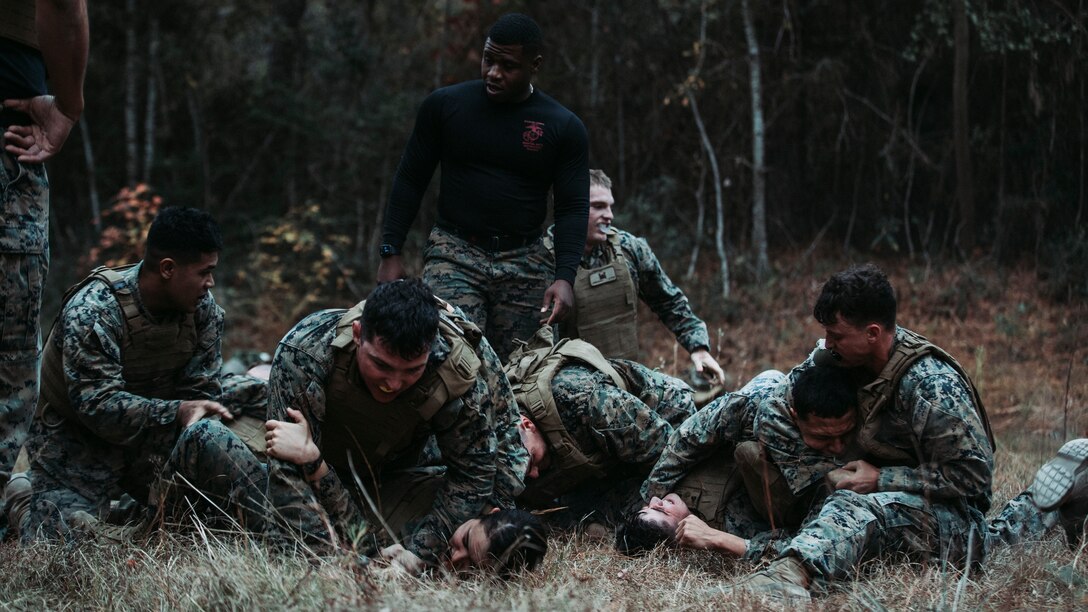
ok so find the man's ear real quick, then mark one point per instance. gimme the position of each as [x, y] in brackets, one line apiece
[494, 510]
[873, 332]
[167, 268]
[534, 66]
[527, 423]
[357, 331]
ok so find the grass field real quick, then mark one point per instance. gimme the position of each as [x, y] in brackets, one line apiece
[1027, 356]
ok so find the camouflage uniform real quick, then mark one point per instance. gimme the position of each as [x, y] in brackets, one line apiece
[936, 468]
[500, 291]
[655, 288]
[24, 261]
[625, 430]
[120, 440]
[463, 428]
[698, 465]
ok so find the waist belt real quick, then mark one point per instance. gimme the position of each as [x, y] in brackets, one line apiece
[497, 242]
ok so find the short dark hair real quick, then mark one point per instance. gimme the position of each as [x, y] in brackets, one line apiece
[637, 536]
[404, 315]
[861, 295]
[826, 391]
[182, 234]
[515, 541]
[517, 29]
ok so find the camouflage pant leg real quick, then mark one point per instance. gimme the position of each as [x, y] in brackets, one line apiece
[499, 291]
[295, 513]
[24, 262]
[244, 394]
[851, 528]
[51, 509]
[1020, 520]
[212, 471]
[770, 494]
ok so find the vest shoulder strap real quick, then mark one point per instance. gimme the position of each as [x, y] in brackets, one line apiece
[910, 348]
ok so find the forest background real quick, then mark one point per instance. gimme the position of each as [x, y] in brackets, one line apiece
[759, 146]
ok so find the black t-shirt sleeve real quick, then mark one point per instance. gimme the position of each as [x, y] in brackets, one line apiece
[414, 172]
[571, 191]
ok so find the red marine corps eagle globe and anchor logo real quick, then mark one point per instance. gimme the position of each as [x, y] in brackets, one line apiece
[534, 131]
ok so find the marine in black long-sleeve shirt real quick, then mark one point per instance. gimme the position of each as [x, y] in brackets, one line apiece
[502, 146]
[498, 162]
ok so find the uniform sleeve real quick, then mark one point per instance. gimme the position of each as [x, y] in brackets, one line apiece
[512, 460]
[570, 189]
[467, 440]
[414, 172]
[668, 302]
[696, 439]
[93, 329]
[297, 381]
[956, 460]
[618, 423]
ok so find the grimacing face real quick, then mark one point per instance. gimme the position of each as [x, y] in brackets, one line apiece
[828, 436]
[600, 213]
[667, 511]
[385, 373]
[469, 545]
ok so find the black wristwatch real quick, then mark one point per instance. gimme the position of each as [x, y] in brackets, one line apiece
[388, 250]
[311, 467]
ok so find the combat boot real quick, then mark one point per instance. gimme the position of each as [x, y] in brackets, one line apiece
[1063, 478]
[16, 501]
[785, 581]
[86, 524]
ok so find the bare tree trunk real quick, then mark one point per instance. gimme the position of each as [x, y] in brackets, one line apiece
[719, 204]
[199, 148]
[595, 61]
[131, 137]
[439, 67]
[700, 222]
[910, 167]
[152, 91]
[965, 194]
[1080, 190]
[759, 188]
[92, 172]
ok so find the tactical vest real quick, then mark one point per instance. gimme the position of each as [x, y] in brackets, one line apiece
[709, 486]
[874, 398]
[153, 355]
[530, 371]
[355, 425]
[605, 312]
[19, 21]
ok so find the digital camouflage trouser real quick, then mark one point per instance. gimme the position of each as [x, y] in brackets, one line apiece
[210, 473]
[24, 261]
[499, 291]
[852, 527]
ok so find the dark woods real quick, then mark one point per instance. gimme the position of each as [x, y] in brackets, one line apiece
[732, 129]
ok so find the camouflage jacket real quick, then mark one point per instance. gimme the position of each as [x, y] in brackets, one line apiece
[656, 289]
[117, 429]
[463, 430]
[931, 415]
[728, 420]
[628, 427]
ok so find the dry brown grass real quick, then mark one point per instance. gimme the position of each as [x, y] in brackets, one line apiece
[1027, 356]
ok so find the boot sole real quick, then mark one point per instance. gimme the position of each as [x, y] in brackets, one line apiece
[1054, 481]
